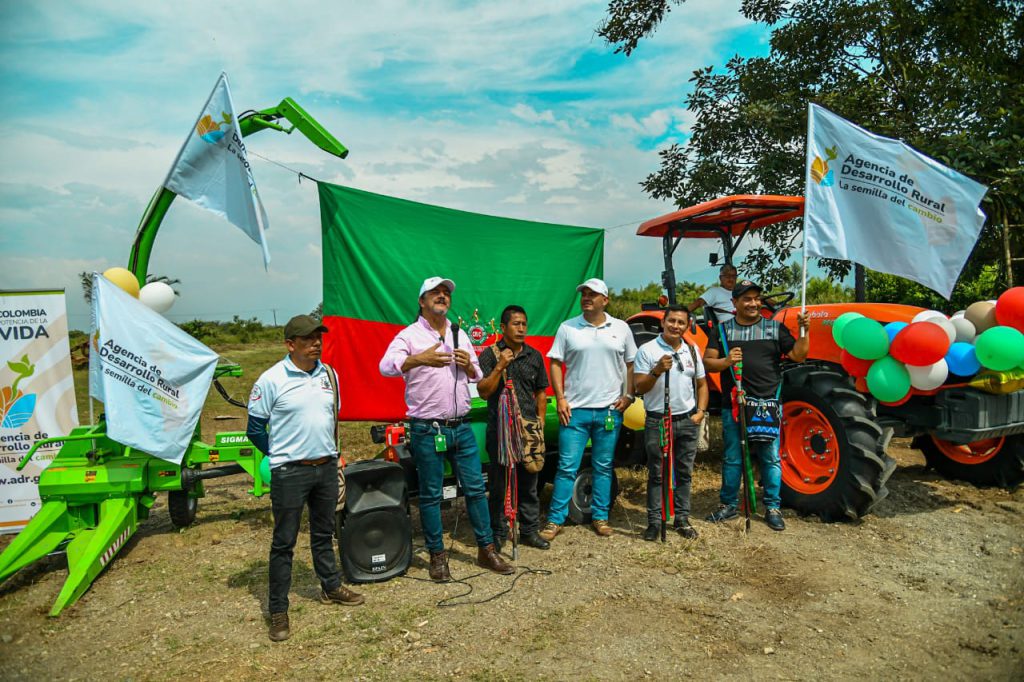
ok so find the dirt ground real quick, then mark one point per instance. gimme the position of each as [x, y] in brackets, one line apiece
[930, 585]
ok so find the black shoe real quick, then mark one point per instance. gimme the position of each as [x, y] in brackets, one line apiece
[683, 527]
[653, 532]
[773, 517]
[725, 512]
[534, 540]
[499, 541]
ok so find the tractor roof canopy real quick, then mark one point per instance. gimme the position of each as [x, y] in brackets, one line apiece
[733, 216]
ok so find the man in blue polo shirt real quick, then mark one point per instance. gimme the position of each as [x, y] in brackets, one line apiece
[591, 376]
[296, 399]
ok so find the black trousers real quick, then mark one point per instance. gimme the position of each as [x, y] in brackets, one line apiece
[528, 511]
[684, 450]
[293, 487]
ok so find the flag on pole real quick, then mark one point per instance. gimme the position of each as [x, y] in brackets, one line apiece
[213, 171]
[153, 377]
[878, 202]
[377, 250]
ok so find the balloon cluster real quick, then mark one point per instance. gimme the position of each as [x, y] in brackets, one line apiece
[923, 353]
[155, 295]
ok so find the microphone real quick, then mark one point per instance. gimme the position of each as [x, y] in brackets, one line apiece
[455, 334]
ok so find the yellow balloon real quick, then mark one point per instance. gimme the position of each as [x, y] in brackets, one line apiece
[634, 416]
[124, 280]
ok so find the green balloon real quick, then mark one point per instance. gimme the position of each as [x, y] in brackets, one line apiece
[866, 339]
[888, 380]
[840, 324]
[1000, 348]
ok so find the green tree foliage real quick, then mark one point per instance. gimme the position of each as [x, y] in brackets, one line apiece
[943, 75]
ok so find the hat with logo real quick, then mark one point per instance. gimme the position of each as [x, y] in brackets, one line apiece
[595, 285]
[743, 287]
[303, 325]
[433, 282]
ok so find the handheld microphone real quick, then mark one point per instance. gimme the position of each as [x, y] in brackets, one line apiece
[455, 334]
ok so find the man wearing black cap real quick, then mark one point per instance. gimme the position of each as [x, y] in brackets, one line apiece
[297, 400]
[759, 344]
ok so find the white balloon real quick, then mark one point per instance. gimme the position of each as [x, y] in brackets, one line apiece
[965, 331]
[947, 326]
[157, 296]
[929, 377]
[959, 313]
[928, 315]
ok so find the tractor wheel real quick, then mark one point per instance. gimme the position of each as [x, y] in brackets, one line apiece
[182, 508]
[990, 462]
[833, 455]
[583, 494]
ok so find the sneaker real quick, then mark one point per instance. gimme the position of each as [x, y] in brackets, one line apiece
[725, 512]
[601, 527]
[653, 532]
[550, 531]
[279, 627]
[683, 527]
[773, 517]
[341, 595]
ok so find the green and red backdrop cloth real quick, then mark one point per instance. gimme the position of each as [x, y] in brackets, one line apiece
[377, 250]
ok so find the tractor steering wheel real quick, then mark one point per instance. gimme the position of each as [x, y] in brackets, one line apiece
[778, 300]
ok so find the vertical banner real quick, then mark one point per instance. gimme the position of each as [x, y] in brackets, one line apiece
[37, 395]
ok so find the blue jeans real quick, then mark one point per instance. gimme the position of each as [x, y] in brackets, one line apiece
[732, 465]
[585, 424]
[465, 458]
[294, 487]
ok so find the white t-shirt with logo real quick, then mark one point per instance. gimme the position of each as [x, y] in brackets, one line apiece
[300, 407]
[721, 300]
[680, 384]
[595, 360]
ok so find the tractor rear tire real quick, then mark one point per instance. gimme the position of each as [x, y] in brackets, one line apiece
[182, 508]
[834, 463]
[990, 462]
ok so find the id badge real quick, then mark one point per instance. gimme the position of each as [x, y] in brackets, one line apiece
[609, 422]
[440, 443]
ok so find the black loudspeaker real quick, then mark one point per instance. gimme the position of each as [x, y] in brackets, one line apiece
[375, 537]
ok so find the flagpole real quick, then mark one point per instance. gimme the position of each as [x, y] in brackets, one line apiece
[803, 285]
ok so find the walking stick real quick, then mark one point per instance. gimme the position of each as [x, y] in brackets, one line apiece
[749, 501]
[667, 474]
[510, 452]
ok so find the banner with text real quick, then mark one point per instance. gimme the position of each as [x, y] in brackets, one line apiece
[153, 377]
[37, 395]
[878, 202]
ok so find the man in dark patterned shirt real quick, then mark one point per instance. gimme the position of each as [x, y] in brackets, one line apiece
[525, 368]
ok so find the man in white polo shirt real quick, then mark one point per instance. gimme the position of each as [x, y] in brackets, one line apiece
[591, 375]
[295, 399]
[670, 355]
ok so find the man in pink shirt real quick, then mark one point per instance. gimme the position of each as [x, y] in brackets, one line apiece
[436, 359]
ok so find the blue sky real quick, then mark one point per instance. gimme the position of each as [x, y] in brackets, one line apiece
[514, 109]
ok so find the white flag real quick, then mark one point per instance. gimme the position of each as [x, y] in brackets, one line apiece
[212, 169]
[878, 202]
[153, 376]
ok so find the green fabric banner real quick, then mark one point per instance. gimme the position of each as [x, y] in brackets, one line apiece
[377, 250]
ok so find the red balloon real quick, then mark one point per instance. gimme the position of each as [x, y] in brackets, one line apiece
[855, 367]
[1010, 309]
[920, 344]
[908, 396]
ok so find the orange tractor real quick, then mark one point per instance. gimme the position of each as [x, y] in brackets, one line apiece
[834, 435]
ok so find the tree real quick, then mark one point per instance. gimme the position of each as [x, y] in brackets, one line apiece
[943, 75]
[85, 279]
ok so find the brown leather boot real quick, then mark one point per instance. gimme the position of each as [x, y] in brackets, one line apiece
[279, 627]
[341, 595]
[439, 567]
[488, 557]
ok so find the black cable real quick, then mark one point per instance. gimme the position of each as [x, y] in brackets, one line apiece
[448, 602]
[228, 398]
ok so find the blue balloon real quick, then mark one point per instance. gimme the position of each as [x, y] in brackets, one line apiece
[962, 360]
[265, 465]
[893, 328]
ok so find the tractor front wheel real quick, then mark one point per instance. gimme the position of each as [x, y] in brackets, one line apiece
[583, 494]
[990, 462]
[832, 450]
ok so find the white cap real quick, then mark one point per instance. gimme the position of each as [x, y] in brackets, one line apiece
[595, 285]
[433, 282]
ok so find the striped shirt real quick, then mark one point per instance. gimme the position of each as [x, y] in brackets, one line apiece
[763, 343]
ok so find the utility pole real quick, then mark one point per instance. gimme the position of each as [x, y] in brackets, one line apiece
[274, 310]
